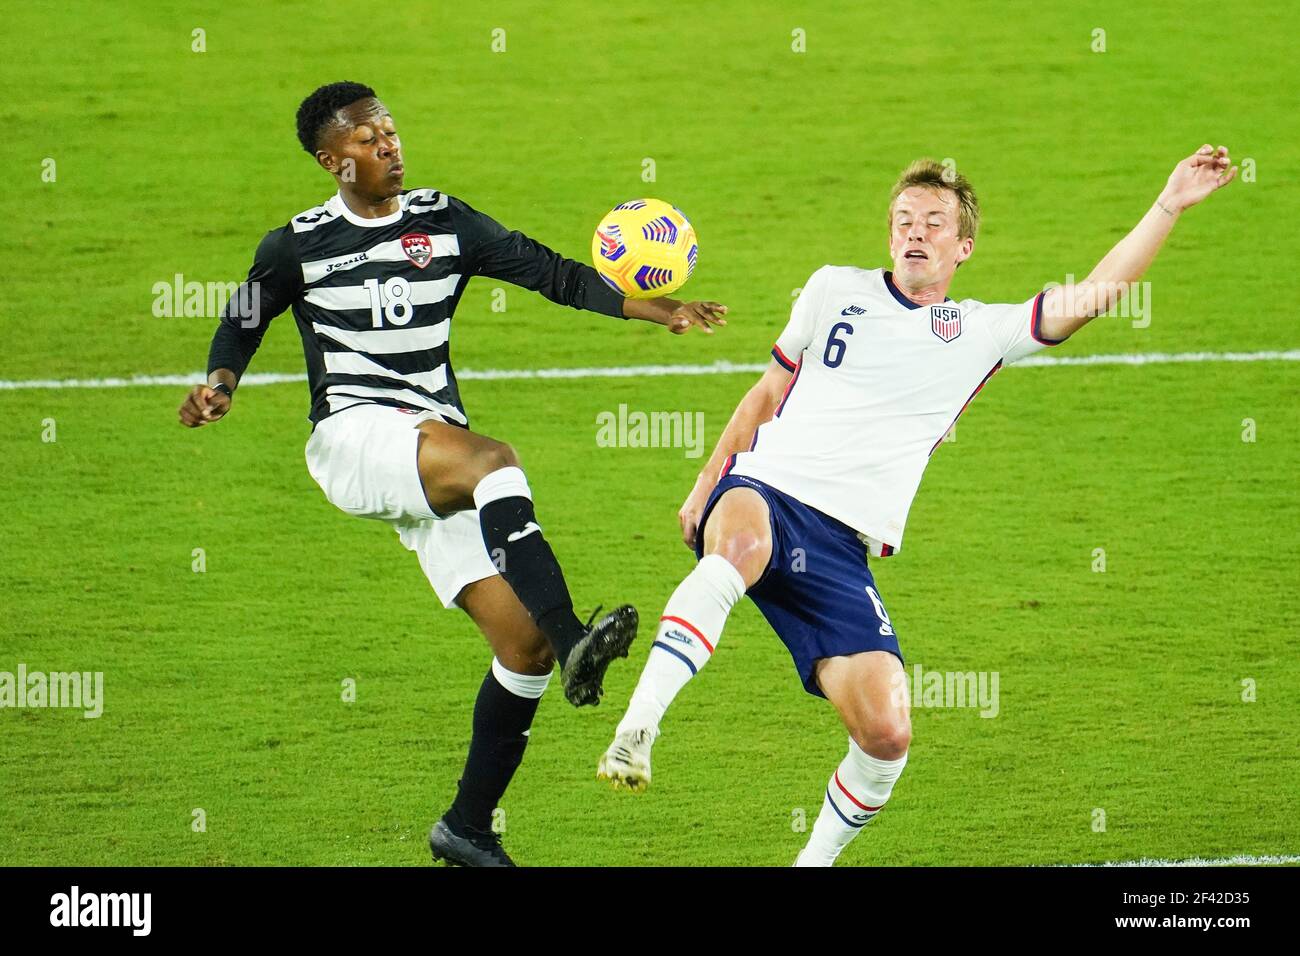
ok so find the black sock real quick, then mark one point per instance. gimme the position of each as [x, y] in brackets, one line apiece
[530, 568]
[495, 752]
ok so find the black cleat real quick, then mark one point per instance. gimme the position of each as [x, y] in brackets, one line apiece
[476, 848]
[585, 669]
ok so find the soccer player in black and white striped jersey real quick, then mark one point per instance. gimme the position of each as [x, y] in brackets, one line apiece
[373, 276]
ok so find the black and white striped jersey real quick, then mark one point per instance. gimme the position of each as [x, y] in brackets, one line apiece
[374, 298]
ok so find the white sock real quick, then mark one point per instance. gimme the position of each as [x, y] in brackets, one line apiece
[508, 482]
[688, 632]
[531, 686]
[854, 795]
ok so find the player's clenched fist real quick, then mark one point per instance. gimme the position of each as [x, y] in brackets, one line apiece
[202, 405]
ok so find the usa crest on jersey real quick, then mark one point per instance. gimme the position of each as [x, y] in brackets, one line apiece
[418, 248]
[945, 321]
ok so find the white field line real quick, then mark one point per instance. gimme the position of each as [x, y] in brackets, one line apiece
[633, 371]
[1239, 860]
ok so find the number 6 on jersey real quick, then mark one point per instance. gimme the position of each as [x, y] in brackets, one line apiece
[838, 344]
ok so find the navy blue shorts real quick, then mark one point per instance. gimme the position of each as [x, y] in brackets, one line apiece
[817, 592]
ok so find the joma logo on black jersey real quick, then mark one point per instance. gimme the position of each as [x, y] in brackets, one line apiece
[347, 262]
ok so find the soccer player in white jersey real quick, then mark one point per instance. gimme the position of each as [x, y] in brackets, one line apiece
[818, 466]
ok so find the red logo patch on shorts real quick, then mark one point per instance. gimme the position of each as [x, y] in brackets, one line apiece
[418, 248]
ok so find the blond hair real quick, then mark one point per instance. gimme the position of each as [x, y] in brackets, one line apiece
[936, 176]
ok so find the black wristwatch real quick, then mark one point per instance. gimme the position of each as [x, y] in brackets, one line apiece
[224, 389]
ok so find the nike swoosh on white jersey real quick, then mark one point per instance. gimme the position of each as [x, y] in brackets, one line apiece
[527, 530]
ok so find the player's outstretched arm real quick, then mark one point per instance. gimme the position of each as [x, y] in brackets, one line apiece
[755, 408]
[678, 316]
[274, 281]
[1068, 308]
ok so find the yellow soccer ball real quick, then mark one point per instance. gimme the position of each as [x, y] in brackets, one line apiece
[645, 248]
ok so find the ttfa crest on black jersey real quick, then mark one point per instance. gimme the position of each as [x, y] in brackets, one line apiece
[418, 248]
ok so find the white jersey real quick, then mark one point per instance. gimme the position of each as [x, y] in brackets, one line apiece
[878, 381]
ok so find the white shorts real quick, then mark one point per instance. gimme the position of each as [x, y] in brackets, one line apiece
[364, 459]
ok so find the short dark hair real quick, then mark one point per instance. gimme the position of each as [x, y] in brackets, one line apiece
[318, 110]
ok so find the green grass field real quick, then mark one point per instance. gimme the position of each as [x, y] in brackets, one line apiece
[1121, 691]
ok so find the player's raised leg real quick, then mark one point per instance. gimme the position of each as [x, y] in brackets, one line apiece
[462, 470]
[503, 715]
[737, 549]
[870, 692]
